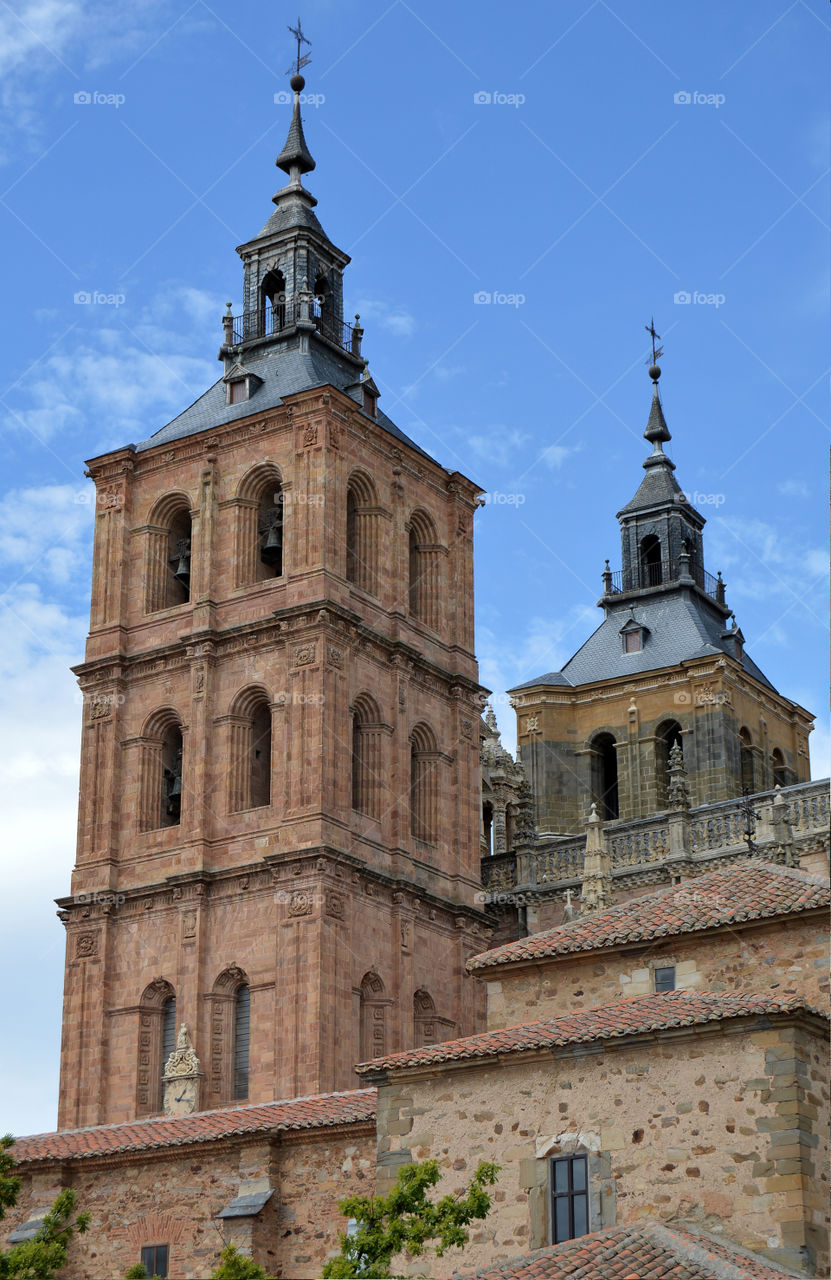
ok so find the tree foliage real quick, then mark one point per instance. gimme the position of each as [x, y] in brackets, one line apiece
[234, 1265]
[406, 1221]
[43, 1255]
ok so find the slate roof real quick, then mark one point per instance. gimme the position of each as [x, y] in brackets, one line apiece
[284, 373]
[638, 1015]
[681, 627]
[291, 213]
[315, 1112]
[731, 895]
[657, 488]
[644, 1250]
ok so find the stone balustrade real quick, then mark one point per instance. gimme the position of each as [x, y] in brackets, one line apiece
[654, 849]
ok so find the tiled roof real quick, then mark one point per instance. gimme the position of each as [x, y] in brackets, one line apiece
[648, 1249]
[607, 1022]
[742, 891]
[315, 1112]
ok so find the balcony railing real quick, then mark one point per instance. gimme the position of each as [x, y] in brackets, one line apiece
[641, 576]
[716, 832]
[270, 320]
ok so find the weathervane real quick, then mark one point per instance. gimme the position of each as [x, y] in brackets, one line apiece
[303, 59]
[657, 352]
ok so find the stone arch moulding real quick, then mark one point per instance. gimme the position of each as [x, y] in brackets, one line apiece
[221, 1001]
[161, 770]
[149, 1065]
[249, 749]
[363, 531]
[424, 575]
[168, 552]
[260, 524]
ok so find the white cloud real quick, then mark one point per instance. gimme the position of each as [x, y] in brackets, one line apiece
[772, 563]
[794, 489]
[555, 455]
[393, 317]
[41, 28]
[545, 645]
[498, 444]
[46, 530]
[125, 376]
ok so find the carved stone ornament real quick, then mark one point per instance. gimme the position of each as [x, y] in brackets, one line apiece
[334, 656]
[334, 905]
[183, 1060]
[305, 656]
[86, 944]
[309, 436]
[302, 904]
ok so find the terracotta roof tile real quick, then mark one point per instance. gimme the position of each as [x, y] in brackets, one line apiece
[317, 1111]
[607, 1022]
[744, 891]
[648, 1249]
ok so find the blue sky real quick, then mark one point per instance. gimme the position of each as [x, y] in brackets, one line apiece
[583, 163]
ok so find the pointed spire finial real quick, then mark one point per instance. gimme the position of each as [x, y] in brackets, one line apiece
[296, 158]
[657, 431]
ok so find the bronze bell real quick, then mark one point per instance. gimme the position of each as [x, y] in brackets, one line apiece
[271, 551]
[180, 562]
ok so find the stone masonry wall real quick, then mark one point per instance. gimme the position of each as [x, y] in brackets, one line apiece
[788, 956]
[170, 1196]
[722, 1128]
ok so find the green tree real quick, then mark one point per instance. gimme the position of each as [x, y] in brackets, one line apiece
[234, 1265]
[139, 1272]
[405, 1220]
[43, 1255]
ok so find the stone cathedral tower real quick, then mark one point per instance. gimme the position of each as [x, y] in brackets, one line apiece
[278, 839]
[666, 666]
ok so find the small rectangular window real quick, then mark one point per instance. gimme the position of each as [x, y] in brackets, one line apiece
[239, 392]
[633, 642]
[569, 1198]
[154, 1259]
[665, 979]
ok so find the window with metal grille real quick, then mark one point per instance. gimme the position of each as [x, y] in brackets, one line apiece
[168, 1029]
[242, 1028]
[665, 978]
[569, 1198]
[154, 1259]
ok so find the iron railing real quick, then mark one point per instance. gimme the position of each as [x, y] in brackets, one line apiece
[638, 577]
[272, 319]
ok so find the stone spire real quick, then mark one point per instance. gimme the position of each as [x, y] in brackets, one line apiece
[657, 432]
[596, 893]
[295, 159]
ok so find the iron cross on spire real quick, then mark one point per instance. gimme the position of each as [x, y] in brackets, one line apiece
[303, 59]
[657, 352]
